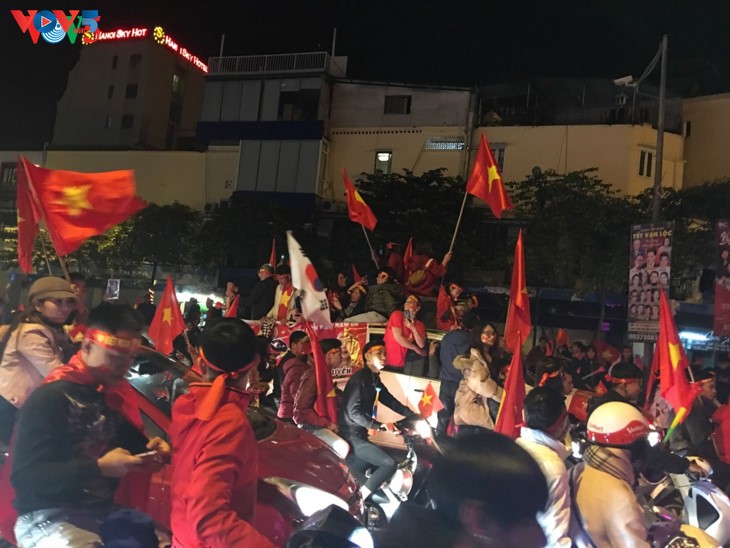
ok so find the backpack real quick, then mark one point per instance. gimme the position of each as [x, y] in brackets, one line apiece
[418, 276]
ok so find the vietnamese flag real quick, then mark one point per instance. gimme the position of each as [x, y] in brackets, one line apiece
[672, 362]
[272, 257]
[28, 218]
[355, 274]
[429, 402]
[168, 322]
[445, 313]
[517, 327]
[232, 311]
[485, 182]
[76, 206]
[407, 255]
[357, 209]
[326, 403]
[509, 418]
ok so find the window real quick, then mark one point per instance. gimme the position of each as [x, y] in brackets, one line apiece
[115, 61]
[178, 83]
[135, 61]
[397, 104]
[8, 175]
[498, 153]
[299, 105]
[108, 122]
[131, 91]
[646, 162]
[383, 161]
[445, 143]
[127, 121]
[110, 92]
[687, 128]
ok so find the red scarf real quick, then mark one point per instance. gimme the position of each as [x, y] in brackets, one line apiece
[121, 398]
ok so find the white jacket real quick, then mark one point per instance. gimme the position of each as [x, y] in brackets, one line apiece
[550, 455]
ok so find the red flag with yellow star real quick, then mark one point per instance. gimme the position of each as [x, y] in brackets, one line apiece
[76, 206]
[509, 417]
[429, 402]
[518, 312]
[326, 403]
[485, 182]
[168, 322]
[357, 209]
[673, 364]
[27, 219]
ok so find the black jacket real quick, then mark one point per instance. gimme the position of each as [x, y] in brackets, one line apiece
[62, 430]
[694, 434]
[356, 409]
[262, 297]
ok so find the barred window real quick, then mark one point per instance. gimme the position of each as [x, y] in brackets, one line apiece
[445, 143]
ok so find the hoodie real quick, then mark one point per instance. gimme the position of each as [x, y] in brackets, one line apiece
[214, 473]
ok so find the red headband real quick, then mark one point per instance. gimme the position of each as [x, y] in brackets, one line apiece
[615, 380]
[546, 376]
[113, 342]
[212, 400]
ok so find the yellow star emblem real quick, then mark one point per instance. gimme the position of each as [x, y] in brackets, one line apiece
[492, 175]
[75, 199]
[426, 399]
[358, 197]
[332, 394]
[167, 315]
[675, 355]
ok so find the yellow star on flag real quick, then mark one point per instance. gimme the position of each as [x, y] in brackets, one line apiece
[358, 197]
[426, 399]
[167, 315]
[492, 175]
[75, 199]
[332, 394]
[675, 355]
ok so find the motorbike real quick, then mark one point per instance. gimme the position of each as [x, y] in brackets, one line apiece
[331, 526]
[409, 482]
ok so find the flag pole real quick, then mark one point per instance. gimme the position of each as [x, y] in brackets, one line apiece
[458, 221]
[372, 251]
[45, 256]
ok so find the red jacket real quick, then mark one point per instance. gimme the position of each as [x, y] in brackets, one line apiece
[214, 474]
[293, 370]
[434, 271]
[304, 412]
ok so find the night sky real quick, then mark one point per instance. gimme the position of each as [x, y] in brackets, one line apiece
[447, 42]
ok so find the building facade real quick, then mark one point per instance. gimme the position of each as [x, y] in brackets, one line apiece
[706, 121]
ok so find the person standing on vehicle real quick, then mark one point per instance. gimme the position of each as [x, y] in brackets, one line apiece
[543, 436]
[262, 295]
[404, 332]
[215, 463]
[304, 413]
[79, 434]
[293, 369]
[33, 345]
[453, 344]
[358, 414]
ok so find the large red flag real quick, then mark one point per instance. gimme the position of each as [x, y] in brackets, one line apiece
[272, 257]
[485, 182]
[168, 322]
[445, 314]
[673, 364]
[509, 417]
[232, 311]
[356, 207]
[326, 403]
[429, 402]
[27, 219]
[76, 206]
[518, 312]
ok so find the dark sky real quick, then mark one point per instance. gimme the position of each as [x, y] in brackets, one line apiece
[446, 42]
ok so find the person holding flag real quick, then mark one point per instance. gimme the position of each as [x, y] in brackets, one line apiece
[305, 414]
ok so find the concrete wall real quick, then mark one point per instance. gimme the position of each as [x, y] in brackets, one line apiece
[705, 148]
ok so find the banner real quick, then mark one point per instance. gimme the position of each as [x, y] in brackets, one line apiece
[650, 264]
[721, 326]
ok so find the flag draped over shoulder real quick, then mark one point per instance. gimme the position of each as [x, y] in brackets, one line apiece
[315, 306]
[485, 182]
[518, 312]
[509, 417]
[672, 362]
[232, 311]
[357, 209]
[326, 403]
[76, 206]
[168, 322]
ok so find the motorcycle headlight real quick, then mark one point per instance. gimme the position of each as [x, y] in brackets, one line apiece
[309, 499]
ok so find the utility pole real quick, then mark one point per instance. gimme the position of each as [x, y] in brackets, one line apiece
[656, 202]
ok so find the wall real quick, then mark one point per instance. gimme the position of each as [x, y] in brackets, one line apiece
[706, 145]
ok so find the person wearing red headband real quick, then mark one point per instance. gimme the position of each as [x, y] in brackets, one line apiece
[79, 441]
[215, 463]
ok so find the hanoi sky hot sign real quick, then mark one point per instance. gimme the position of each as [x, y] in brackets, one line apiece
[158, 35]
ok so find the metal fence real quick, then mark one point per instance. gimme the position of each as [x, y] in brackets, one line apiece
[316, 61]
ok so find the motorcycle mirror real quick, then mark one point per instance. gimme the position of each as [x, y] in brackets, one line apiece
[332, 526]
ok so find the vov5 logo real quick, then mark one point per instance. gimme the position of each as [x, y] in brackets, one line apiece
[55, 25]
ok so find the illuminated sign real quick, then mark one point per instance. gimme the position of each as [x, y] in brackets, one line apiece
[158, 35]
[55, 25]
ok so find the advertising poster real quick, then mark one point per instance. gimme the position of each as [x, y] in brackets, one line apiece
[650, 267]
[721, 326]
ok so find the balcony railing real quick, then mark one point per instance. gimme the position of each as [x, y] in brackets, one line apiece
[316, 61]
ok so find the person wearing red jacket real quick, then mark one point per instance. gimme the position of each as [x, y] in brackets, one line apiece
[293, 368]
[215, 457]
[423, 272]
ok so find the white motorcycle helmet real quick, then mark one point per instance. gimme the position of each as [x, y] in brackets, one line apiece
[616, 424]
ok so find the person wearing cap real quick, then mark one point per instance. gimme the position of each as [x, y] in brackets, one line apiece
[304, 414]
[605, 507]
[215, 462]
[358, 414]
[262, 295]
[543, 437]
[293, 369]
[33, 345]
[80, 436]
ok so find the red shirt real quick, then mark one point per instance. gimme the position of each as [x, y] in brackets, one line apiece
[214, 474]
[395, 354]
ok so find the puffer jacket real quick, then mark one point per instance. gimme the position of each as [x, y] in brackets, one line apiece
[293, 371]
[474, 390]
[384, 298]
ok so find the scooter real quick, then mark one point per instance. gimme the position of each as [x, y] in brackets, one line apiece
[409, 482]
